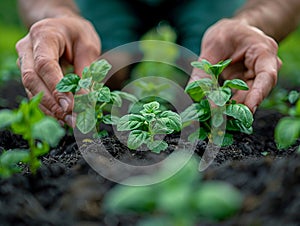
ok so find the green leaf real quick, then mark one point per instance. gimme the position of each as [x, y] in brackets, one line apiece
[99, 70]
[287, 131]
[218, 68]
[85, 83]
[236, 84]
[125, 199]
[173, 120]
[86, 120]
[157, 146]
[199, 88]
[151, 107]
[220, 97]
[211, 69]
[203, 65]
[86, 73]
[13, 157]
[236, 125]
[199, 134]
[9, 161]
[217, 200]
[293, 96]
[136, 138]
[240, 112]
[104, 94]
[159, 126]
[7, 117]
[130, 122]
[110, 119]
[217, 117]
[83, 101]
[69, 83]
[126, 96]
[116, 99]
[48, 130]
[198, 111]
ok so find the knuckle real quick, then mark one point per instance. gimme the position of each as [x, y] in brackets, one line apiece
[42, 64]
[28, 78]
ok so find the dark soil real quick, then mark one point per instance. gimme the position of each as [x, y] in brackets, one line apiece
[67, 191]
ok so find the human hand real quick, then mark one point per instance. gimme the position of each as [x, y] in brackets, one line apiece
[254, 58]
[49, 43]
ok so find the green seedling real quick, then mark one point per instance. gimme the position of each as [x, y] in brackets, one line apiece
[90, 106]
[183, 199]
[40, 131]
[287, 130]
[207, 91]
[147, 125]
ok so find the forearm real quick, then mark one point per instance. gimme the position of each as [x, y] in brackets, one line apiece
[32, 11]
[276, 18]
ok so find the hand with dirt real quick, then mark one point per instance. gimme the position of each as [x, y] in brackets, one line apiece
[50, 43]
[253, 54]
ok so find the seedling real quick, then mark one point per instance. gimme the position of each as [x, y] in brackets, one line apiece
[40, 131]
[90, 106]
[146, 126]
[287, 130]
[206, 92]
[184, 199]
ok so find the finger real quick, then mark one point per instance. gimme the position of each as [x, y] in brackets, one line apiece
[85, 54]
[31, 81]
[46, 53]
[267, 69]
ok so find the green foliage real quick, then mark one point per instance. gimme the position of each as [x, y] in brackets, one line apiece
[38, 130]
[287, 130]
[181, 200]
[206, 90]
[147, 124]
[91, 105]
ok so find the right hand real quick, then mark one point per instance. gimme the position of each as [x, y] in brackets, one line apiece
[49, 43]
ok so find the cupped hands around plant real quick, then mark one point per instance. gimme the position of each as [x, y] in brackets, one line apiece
[214, 105]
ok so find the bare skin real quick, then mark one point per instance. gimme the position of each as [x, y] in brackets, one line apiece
[67, 38]
[58, 34]
[249, 39]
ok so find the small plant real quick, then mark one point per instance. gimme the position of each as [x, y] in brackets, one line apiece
[91, 105]
[287, 130]
[146, 126]
[38, 130]
[208, 90]
[184, 199]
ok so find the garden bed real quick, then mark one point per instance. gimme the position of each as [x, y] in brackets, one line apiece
[67, 191]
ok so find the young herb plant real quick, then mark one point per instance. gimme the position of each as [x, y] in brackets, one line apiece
[40, 131]
[146, 126]
[287, 130]
[91, 105]
[208, 90]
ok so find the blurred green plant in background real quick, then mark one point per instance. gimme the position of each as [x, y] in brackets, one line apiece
[289, 52]
[11, 31]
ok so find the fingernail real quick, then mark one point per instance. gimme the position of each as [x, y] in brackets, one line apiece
[254, 109]
[69, 120]
[64, 104]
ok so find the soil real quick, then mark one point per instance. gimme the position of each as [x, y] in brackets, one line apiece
[67, 191]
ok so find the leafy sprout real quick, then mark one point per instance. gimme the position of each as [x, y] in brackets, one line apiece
[208, 90]
[91, 104]
[146, 125]
[41, 132]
